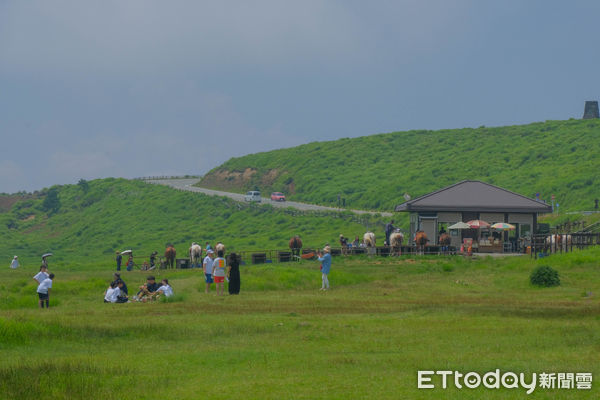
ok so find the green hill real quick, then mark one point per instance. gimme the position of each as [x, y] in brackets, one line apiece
[90, 222]
[373, 172]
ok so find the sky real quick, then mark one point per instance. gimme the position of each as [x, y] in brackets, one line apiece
[127, 88]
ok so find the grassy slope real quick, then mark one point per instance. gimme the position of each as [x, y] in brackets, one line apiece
[281, 338]
[373, 172]
[116, 214]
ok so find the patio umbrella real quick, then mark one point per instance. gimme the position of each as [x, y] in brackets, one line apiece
[46, 255]
[478, 224]
[459, 225]
[503, 226]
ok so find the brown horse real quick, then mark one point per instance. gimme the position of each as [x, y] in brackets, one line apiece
[421, 241]
[444, 242]
[296, 245]
[170, 255]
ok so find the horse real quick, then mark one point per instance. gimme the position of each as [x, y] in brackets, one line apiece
[195, 254]
[170, 255]
[219, 247]
[296, 245]
[421, 241]
[444, 242]
[369, 239]
[396, 239]
[558, 242]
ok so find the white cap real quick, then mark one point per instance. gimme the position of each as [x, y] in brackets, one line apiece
[210, 252]
[16, 257]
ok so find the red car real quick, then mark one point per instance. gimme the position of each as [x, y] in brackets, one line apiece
[277, 196]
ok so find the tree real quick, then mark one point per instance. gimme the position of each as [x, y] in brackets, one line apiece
[84, 185]
[51, 202]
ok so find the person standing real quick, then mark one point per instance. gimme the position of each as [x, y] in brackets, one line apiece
[15, 263]
[219, 265]
[207, 266]
[43, 291]
[344, 244]
[233, 272]
[153, 259]
[325, 259]
[119, 259]
[389, 228]
[43, 274]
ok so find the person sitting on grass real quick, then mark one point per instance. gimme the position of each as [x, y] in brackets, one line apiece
[165, 290]
[148, 289]
[122, 296]
[43, 291]
[117, 278]
[112, 293]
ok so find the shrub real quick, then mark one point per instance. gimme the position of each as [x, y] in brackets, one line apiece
[544, 276]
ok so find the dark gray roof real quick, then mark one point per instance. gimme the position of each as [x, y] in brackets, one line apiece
[474, 196]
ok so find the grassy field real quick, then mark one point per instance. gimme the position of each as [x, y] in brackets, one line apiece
[383, 320]
[92, 223]
[373, 172]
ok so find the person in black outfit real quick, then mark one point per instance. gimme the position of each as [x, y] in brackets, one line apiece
[148, 289]
[233, 273]
[389, 228]
[119, 259]
[153, 259]
[124, 293]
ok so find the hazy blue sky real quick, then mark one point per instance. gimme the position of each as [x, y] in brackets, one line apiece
[91, 89]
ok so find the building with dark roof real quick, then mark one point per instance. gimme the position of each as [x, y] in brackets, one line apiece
[469, 200]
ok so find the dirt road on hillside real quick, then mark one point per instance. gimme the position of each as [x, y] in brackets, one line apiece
[186, 184]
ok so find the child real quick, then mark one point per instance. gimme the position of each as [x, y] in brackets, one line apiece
[112, 293]
[42, 275]
[43, 291]
[219, 266]
[165, 289]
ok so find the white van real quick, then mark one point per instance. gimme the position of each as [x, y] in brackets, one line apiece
[253, 195]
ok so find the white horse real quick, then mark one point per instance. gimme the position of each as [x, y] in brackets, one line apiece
[369, 239]
[195, 254]
[220, 247]
[396, 239]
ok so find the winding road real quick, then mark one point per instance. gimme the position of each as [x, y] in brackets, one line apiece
[187, 184]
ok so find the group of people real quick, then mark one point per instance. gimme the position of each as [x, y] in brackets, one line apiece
[218, 269]
[44, 281]
[117, 291]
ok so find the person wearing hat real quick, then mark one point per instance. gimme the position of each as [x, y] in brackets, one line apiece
[325, 259]
[15, 263]
[207, 267]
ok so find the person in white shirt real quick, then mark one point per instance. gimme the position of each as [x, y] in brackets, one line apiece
[43, 291]
[42, 275]
[15, 263]
[165, 289]
[112, 293]
[207, 266]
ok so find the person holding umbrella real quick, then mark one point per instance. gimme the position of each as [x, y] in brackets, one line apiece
[45, 259]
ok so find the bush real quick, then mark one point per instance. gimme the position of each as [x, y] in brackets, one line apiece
[544, 276]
